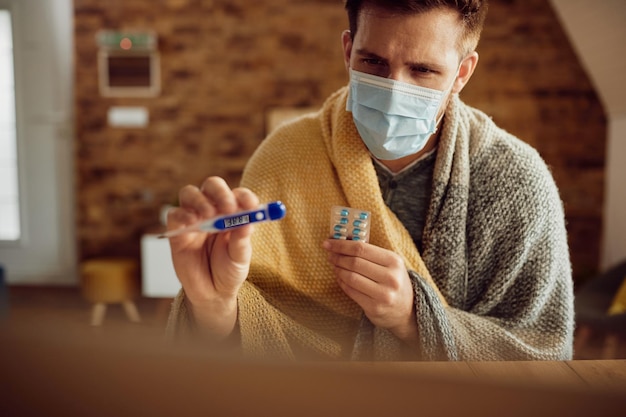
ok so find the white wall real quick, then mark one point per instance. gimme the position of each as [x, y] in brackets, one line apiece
[597, 30]
[614, 249]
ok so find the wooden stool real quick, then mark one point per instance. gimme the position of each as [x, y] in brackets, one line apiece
[110, 280]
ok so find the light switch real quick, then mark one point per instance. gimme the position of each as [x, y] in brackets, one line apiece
[134, 117]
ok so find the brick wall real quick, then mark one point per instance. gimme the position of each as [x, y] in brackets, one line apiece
[226, 63]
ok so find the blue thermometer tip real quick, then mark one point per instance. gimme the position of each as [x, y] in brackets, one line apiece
[276, 210]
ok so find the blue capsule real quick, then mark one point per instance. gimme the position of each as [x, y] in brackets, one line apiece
[349, 224]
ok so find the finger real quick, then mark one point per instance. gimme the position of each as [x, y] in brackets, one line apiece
[178, 217]
[239, 248]
[354, 264]
[359, 249]
[358, 282]
[362, 275]
[245, 198]
[217, 191]
[192, 199]
[362, 299]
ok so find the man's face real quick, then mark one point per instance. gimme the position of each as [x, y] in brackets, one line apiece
[419, 49]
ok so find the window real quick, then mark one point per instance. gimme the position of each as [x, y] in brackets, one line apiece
[9, 195]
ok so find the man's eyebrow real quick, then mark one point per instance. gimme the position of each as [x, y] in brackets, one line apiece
[369, 54]
[437, 67]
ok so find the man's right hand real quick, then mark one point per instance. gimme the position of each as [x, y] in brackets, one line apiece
[212, 267]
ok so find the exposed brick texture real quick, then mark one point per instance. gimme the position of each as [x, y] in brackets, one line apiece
[226, 63]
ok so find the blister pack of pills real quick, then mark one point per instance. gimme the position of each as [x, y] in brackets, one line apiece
[350, 224]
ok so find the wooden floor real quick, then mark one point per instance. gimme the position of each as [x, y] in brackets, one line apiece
[63, 312]
[63, 309]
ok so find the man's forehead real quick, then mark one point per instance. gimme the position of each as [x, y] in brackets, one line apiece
[431, 37]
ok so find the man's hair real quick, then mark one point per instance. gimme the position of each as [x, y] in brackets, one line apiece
[472, 15]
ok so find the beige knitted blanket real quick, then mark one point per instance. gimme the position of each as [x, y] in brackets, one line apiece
[291, 305]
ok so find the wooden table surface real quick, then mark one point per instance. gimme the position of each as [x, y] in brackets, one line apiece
[55, 377]
[601, 375]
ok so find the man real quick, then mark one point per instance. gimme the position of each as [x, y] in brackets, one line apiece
[467, 257]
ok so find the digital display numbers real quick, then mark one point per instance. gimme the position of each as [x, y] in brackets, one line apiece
[237, 221]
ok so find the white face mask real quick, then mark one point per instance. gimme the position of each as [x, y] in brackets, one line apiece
[395, 119]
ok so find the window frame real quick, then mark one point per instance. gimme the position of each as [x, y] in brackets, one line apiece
[19, 240]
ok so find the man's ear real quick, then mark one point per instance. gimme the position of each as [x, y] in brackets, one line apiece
[468, 65]
[346, 40]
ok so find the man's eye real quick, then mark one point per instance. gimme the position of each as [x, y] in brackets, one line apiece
[373, 61]
[423, 70]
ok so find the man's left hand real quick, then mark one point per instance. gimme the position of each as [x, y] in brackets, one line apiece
[377, 280]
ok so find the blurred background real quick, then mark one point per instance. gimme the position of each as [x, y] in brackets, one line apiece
[109, 108]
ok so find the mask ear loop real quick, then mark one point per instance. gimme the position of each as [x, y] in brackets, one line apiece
[448, 91]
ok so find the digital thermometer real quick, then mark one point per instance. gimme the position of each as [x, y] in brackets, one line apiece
[267, 212]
